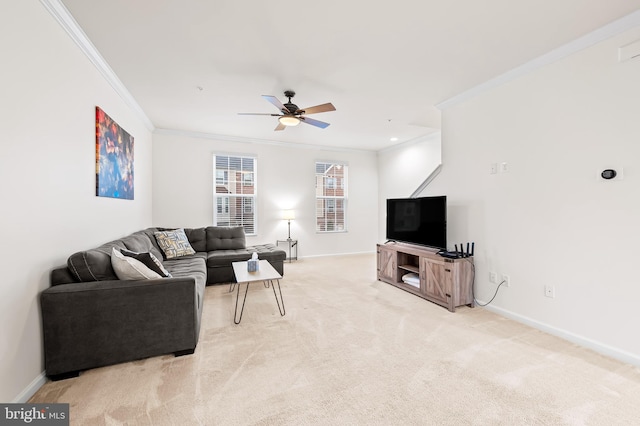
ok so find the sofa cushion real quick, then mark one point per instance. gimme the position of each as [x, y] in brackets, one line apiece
[226, 257]
[128, 268]
[149, 260]
[142, 242]
[197, 238]
[149, 232]
[192, 266]
[94, 264]
[225, 238]
[174, 243]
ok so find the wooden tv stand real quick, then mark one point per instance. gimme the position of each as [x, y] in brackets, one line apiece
[446, 282]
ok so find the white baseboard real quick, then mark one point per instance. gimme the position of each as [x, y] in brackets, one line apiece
[31, 389]
[599, 347]
[337, 254]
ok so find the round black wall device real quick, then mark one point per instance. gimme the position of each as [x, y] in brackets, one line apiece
[608, 174]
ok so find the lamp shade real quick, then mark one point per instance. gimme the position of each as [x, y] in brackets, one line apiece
[288, 215]
[289, 120]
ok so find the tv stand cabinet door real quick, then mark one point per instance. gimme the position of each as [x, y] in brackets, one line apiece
[435, 277]
[387, 265]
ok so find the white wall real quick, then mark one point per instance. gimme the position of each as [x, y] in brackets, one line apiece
[402, 169]
[549, 220]
[183, 190]
[48, 94]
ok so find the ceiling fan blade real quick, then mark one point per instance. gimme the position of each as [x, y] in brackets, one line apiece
[313, 122]
[319, 108]
[280, 126]
[258, 113]
[273, 100]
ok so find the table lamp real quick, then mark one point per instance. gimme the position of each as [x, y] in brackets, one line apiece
[288, 215]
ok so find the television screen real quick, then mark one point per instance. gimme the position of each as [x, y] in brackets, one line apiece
[418, 221]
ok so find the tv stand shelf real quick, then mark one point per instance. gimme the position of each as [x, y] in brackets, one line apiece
[446, 282]
[410, 268]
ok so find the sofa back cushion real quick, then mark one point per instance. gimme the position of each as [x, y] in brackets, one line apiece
[225, 238]
[94, 264]
[197, 238]
[141, 242]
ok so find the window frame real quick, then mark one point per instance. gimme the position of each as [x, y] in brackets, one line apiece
[237, 182]
[334, 184]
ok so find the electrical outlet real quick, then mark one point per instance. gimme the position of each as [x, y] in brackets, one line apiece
[550, 291]
[493, 277]
[505, 278]
[504, 167]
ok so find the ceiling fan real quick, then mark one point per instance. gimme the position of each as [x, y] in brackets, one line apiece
[291, 114]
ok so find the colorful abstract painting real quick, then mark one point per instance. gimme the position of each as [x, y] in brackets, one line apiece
[114, 159]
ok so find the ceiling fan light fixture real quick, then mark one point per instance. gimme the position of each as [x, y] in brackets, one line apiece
[290, 115]
[289, 120]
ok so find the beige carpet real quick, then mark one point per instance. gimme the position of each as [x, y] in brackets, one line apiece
[355, 351]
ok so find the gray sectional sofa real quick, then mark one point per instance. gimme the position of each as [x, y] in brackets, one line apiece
[91, 318]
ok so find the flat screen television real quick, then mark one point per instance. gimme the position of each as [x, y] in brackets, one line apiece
[420, 221]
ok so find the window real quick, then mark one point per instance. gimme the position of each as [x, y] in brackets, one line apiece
[235, 192]
[222, 176]
[223, 205]
[330, 205]
[331, 197]
[247, 205]
[247, 179]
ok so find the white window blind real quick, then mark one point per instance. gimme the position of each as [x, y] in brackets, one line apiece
[235, 192]
[331, 196]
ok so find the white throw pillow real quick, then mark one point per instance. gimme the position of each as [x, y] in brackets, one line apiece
[128, 268]
[149, 260]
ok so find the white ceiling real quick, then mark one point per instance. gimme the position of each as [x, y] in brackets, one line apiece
[384, 65]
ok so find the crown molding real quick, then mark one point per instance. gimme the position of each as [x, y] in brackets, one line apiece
[610, 30]
[69, 24]
[242, 139]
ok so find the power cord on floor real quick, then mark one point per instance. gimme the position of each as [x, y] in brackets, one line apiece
[473, 280]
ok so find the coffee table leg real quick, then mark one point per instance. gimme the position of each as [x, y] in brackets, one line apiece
[282, 311]
[235, 315]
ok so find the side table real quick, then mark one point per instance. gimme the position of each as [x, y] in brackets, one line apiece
[292, 245]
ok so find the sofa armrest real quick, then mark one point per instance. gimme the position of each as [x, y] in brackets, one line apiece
[91, 324]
